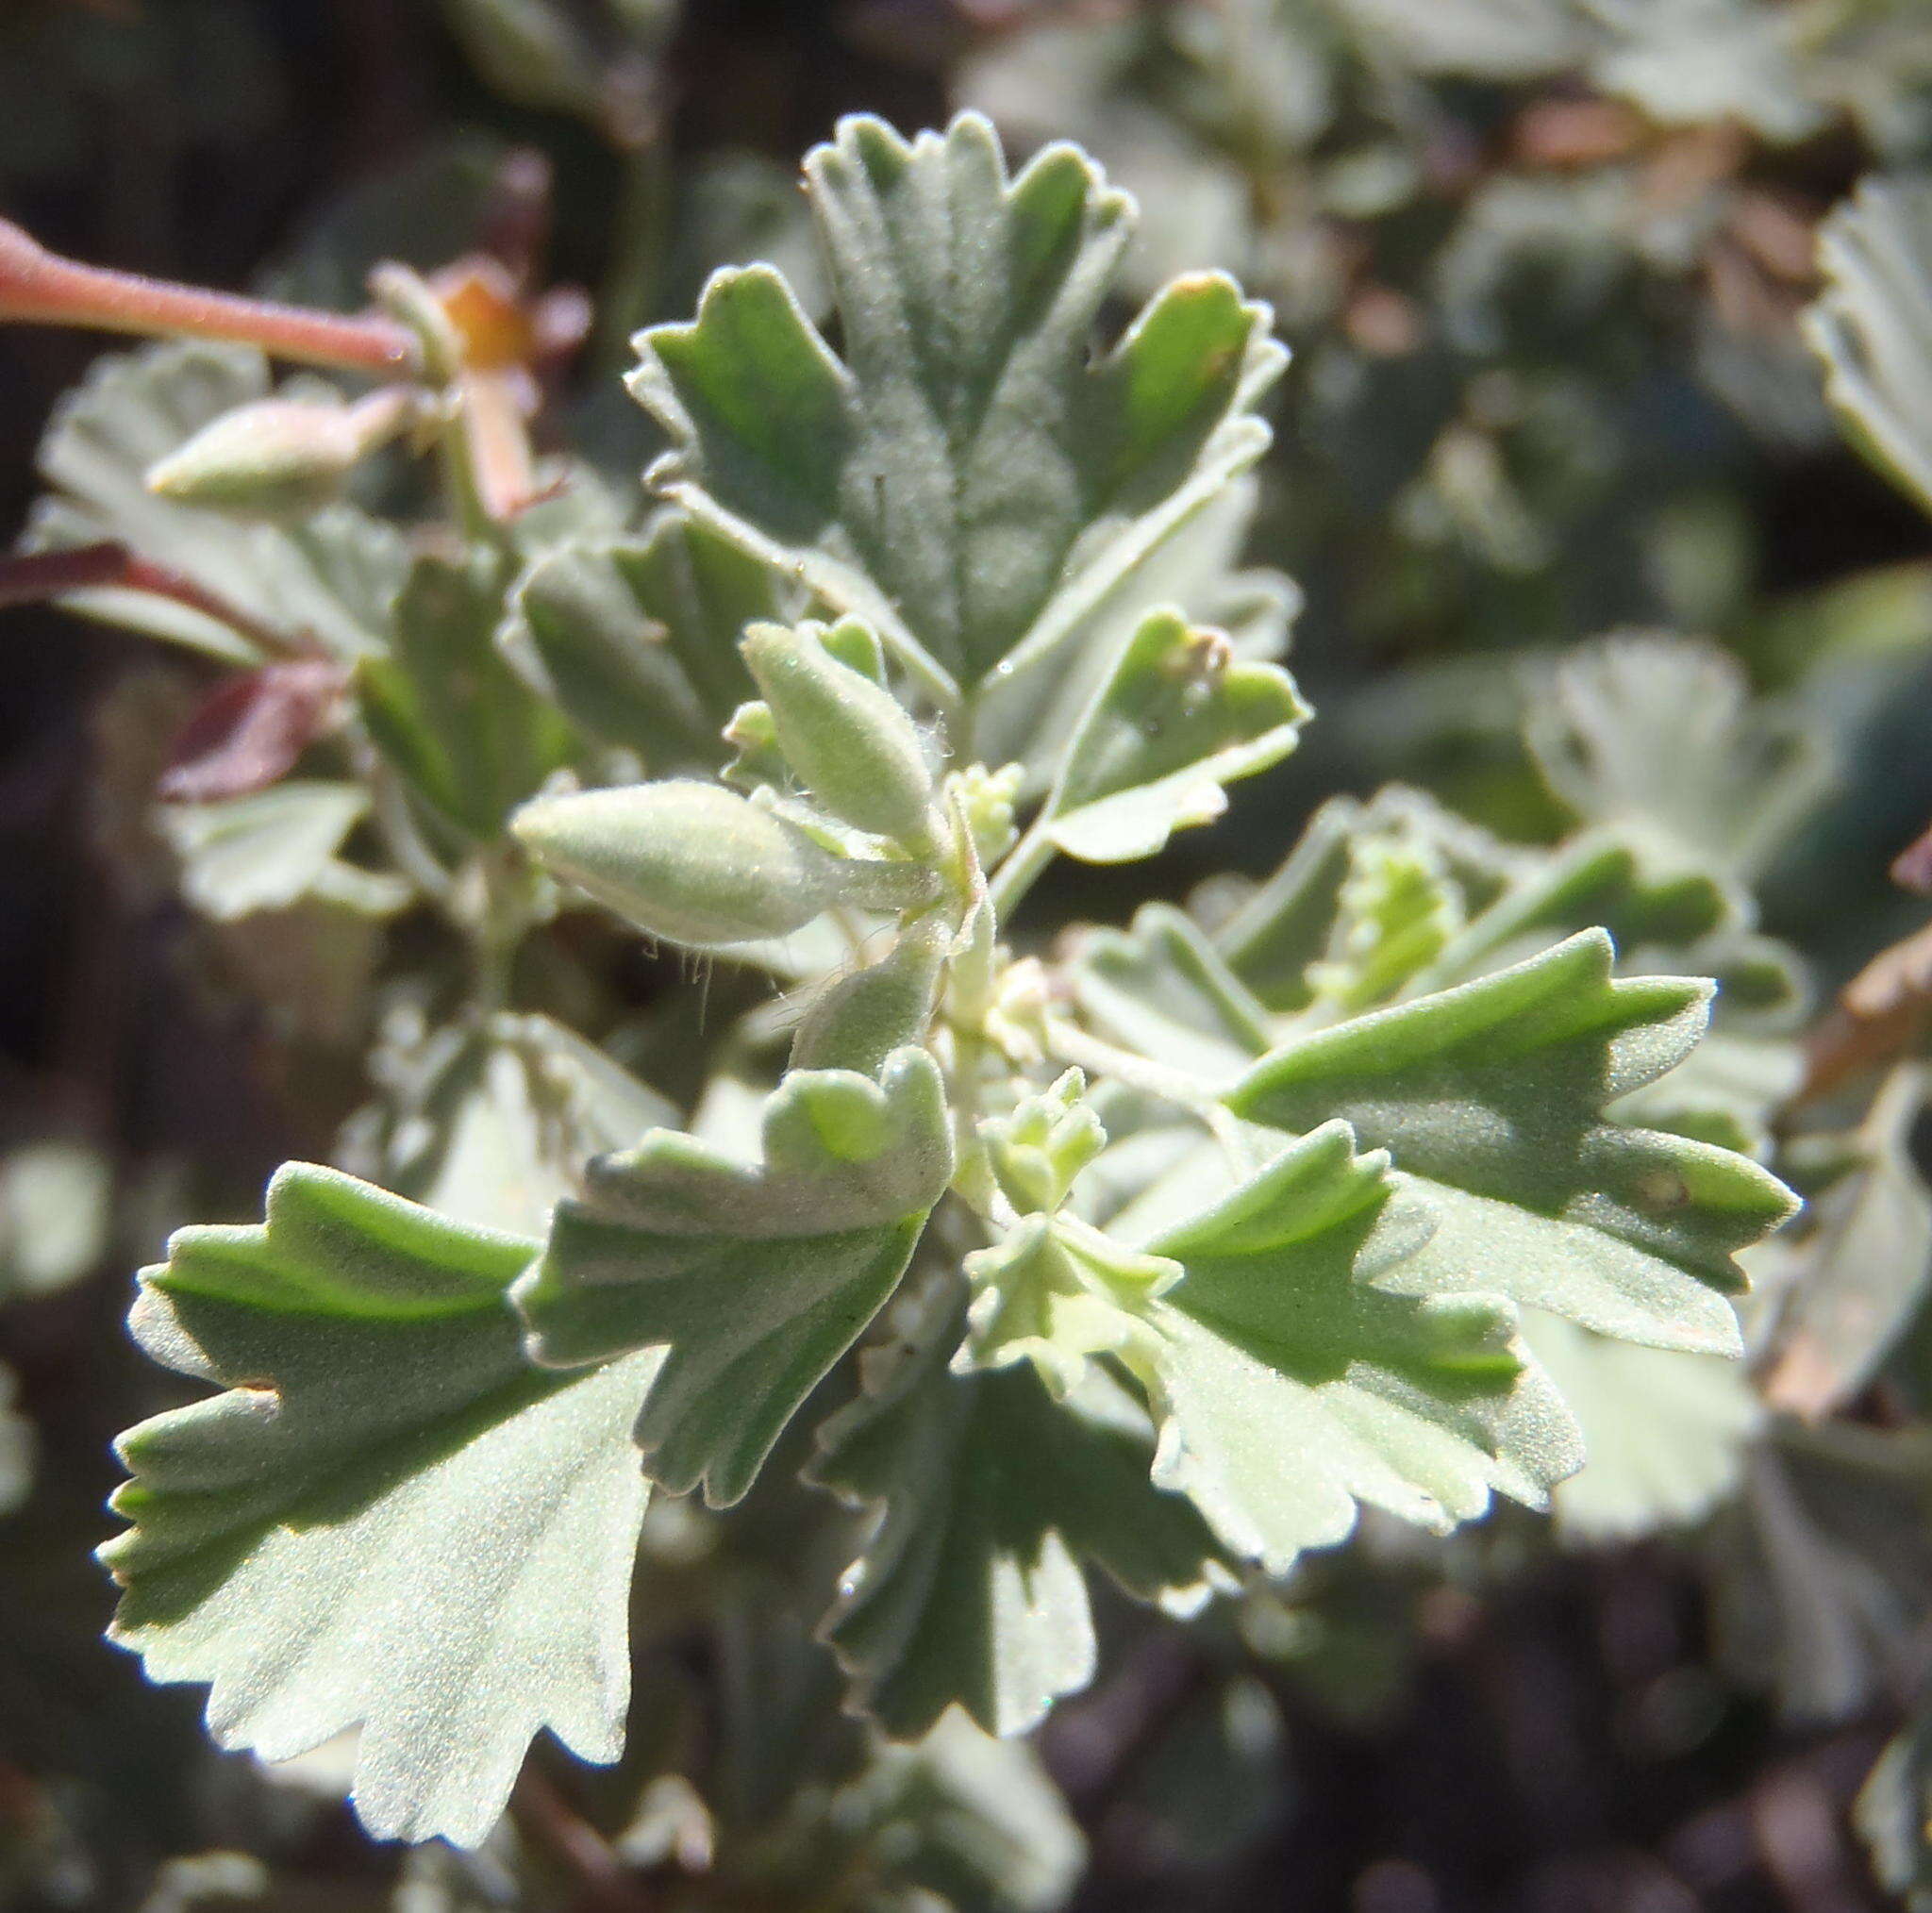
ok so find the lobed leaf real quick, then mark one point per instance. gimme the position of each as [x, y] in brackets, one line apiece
[388, 1520]
[637, 640]
[1665, 1434]
[968, 477]
[472, 738]
[1165, 991]
[990, 1496]
[1872, 326]
[1490, 1098]
[1176, 719]
[333, 582]
[754, 1277]
[1291, 1381]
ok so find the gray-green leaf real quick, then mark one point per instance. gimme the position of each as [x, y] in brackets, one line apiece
[753, 1277]
[390, 1519]
[1489, 1096]
[991, 1495]
[969, 478]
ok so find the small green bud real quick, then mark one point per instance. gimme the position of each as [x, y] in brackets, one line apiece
[858, 1021]
[987, 799]
[849, 739]
[690, 863]
[278, 458]
[754, 740]
[1038, 1151]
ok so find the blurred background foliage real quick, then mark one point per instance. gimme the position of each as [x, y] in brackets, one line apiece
[1545, 267]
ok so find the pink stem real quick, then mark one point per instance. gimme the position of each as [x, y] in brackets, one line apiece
[43, 287]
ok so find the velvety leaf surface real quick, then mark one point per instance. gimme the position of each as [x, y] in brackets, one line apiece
[1663, 734]
[1163, 990]
[991, 1495]
[1665, 1434]
[492, 1122]
[1823, 1566]
[637, 640]
[1178, 719]
[273, 848]
[969, 477]
[389, 1519]
[472, 738]
[1290, 1385]
[1856, 1282]
[1489, 1096]
[755, 1277]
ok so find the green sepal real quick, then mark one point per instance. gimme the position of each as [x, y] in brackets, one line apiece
[857, 1021]
[277, 457]
[699, 865]
[754, 1277]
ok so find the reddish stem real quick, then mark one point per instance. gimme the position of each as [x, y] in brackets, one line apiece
[44, 288]
[31, 577]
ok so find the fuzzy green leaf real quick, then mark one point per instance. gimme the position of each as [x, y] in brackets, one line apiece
[390, 1519]
[753, 1277]
[1287, 924]
[472, 738]
[637, 640]
[1489, 1097]
[990, 1496]
[1660, 737]
[1163, 990]
[491, 1120]
[1665, 1434]
[969, 478]
[1177, 718]
[1290, 1381]
[273, 848]
[1824, 1566]
[1857, 1279]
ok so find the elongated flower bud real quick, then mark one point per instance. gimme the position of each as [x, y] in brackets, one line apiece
[848, 738]
[278, 458]
[697, 864]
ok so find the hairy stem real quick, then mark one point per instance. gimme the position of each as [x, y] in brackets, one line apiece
[40, 288]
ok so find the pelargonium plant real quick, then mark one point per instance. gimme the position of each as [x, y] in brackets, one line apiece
[1161, 1249]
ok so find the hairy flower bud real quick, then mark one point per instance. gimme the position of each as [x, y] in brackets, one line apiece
[697, 864]
[279, 457]
[848, 738]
